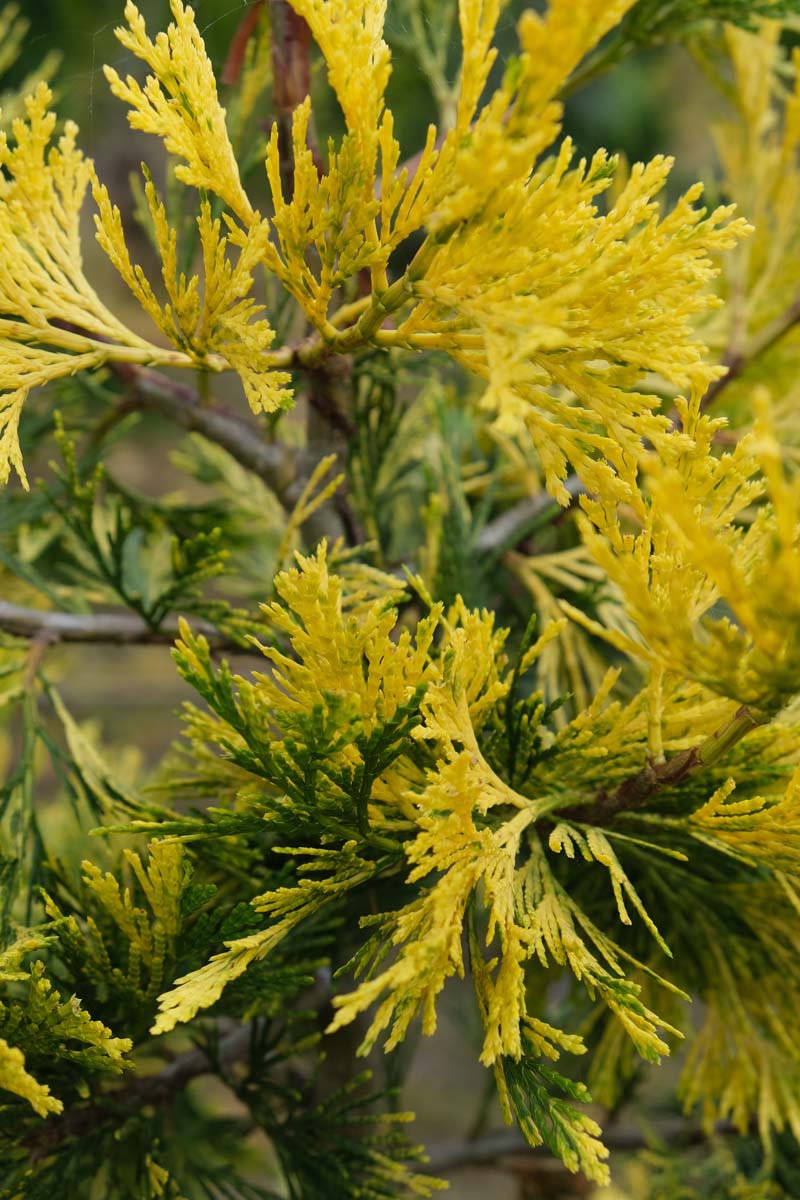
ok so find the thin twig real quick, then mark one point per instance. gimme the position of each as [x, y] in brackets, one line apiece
[273, 463]
[291, 84]
[738, 363]
[232, 71]
[116, 629]
[501, 1144]
[156, 1089]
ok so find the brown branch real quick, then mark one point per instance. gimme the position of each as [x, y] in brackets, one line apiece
[734, 364]
[503, 1144]
[324, 386]
[157, 1089]
[655, 777]
[283, 469]
[273, 463]
[330, 429]
[737, 363]
[232, 71]
[291, 69]
[116, 629]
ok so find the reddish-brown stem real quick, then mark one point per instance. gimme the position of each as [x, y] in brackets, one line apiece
[232, 71]
[291, 69]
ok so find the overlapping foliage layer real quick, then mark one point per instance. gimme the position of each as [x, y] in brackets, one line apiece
[548, 747]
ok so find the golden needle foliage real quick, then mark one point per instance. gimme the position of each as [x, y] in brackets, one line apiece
[629, 838]
[598, 300]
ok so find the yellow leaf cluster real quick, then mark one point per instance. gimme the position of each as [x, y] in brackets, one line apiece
[13, 1075]
[758, 149]
[148, 935]
[559, 40]
[764, 830]
[600, 298]
[179, 104]
[14, 1078]
[570, 663]
[335, 651]
[52, 323]
[215, 330]
[289, 906]
[711, 582]
[596, 300]
[466, 833]
[564, 341]
[743, 1062]
[579, 1142]
[50, 1026]
[350, 35]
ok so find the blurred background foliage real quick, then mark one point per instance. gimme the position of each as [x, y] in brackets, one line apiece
[647, 105]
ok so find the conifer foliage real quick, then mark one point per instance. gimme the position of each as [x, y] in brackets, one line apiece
[506, 555]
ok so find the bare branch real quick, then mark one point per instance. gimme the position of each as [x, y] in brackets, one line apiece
[115, 628]
[273, 463]
[507, 1143]
[507, 529]
[737, 363]
[156, 1089]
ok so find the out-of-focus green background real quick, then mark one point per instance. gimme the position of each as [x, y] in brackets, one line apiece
[650, 105]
